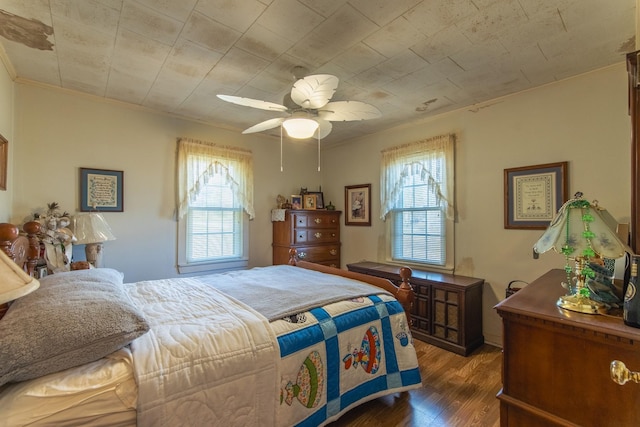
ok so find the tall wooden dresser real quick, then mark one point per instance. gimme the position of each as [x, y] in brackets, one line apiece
[314, 233]
[556, 363]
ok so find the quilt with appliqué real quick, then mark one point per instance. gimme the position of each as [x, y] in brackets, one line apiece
[335, 357]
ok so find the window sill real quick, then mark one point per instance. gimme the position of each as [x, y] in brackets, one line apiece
[212, 266]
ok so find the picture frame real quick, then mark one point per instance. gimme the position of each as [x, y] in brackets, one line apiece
[357, 202]
[41, 272]
[101, 190]
[309, 201]
[4, 156]
[296, 201]
[533, 195]
[319, 199]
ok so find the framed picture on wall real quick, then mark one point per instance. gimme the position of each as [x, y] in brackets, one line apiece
[101, 190]
[4, 155]
[533, 195]
[357, 200]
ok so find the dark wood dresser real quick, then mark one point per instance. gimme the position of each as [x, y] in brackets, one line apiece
[448, 308]
[556, 364]
[314, 233]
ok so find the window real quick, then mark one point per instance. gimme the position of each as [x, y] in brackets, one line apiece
[415, 181]
[215, 186]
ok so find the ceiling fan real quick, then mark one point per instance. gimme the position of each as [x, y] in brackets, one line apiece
[309, 111]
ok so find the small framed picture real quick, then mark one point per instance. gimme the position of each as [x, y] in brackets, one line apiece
[309, 201]
[357, 199]
[319, 199]
[101, 189]
[296, 201]
[533, 195]
[41, 272]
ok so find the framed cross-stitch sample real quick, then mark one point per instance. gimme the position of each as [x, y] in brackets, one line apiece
[533, 195]
[101, 190]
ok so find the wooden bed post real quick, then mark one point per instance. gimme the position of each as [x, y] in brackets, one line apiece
[293, 256]
[25, 255]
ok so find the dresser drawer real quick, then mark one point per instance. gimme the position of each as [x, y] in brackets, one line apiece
[318, 253]
[315, 220]
[318, 235]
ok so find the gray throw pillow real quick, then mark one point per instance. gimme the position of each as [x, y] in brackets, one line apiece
[65, 323]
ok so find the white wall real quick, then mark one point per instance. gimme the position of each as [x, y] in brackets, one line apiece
[61, 132]
[582, 120]
[6, 130]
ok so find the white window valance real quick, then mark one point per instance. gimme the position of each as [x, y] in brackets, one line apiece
[416, 158]
[198, 161]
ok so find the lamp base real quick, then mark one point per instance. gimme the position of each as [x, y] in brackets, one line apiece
[580, 304]
[93, 252]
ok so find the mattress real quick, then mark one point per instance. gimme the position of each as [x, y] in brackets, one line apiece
[101, 393]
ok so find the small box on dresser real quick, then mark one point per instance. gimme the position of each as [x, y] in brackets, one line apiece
[314, 233]
[447, 311]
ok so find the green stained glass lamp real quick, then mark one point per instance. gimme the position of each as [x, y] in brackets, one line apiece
[579, 232]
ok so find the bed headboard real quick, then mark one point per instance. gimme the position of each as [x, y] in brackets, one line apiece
[24, 248]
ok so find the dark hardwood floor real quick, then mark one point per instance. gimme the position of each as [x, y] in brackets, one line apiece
[456, 391]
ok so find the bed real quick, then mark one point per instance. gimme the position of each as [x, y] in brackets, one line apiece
[289, 345]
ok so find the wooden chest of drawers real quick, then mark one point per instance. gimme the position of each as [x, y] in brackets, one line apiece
[314, 233]
[447, 311]
[556, 363]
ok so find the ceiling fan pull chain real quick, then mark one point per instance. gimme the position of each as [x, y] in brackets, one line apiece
[318, 151]
[281, 168]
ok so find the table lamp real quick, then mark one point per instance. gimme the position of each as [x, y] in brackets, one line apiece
[14, 282]
[91, 230]
[579, 232]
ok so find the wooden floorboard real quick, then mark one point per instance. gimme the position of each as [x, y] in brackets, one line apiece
[456, 391]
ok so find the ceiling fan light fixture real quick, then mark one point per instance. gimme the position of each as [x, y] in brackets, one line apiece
[300, 128]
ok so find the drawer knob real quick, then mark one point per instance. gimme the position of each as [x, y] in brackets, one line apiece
[620, 374]
[317, 220]
[318, 235]
[302, 255]
[333, 252]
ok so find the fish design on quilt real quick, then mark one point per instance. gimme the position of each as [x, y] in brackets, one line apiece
[403, 336]
[309, 383]
[368, 355]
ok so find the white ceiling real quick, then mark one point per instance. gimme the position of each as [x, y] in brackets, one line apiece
[410, 58]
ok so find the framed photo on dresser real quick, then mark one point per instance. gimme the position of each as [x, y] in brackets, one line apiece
[309, 201]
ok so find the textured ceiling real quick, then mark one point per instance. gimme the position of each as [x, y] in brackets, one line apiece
[410, 58]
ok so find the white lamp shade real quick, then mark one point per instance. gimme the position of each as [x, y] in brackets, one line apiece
[300, 128]
[92, 228]
[567, 229]
[14, 282]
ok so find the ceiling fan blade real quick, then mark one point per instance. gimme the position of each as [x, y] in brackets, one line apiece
[314, 91]
[324, 129]
[267, 124]
[345, 111]
[255, 103]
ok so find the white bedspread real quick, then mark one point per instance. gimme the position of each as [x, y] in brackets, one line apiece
[207, 359]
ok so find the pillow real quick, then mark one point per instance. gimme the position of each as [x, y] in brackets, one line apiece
[66, 323]
[98, 275]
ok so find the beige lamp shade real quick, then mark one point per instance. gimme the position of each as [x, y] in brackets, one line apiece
[14, 282]
[91, 228]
